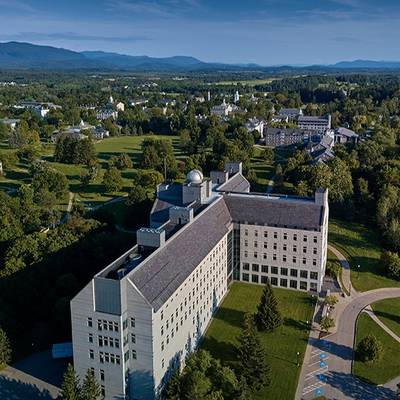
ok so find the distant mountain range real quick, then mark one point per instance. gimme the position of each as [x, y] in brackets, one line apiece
[18, 55]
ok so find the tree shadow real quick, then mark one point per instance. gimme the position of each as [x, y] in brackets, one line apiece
[354, 388]
[231, 316]
[11, 389]
[344, 352]
[300, 325]
[227, 352]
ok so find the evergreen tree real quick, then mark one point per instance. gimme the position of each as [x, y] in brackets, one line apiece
[5, 348]
[268, 316]
[90, 388]
[70, 388]
[253, 366]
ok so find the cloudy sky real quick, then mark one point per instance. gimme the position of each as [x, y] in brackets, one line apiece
[267, 32]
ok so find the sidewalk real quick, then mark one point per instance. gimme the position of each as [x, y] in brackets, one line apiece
[368, 310]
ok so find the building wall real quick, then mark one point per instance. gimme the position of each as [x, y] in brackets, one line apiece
[293, 259]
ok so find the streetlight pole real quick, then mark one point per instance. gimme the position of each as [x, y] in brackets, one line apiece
[298, 354]
[358, 271]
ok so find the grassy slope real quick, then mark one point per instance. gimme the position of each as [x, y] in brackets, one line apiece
[280, 346]
[361, 247]
[388, 311]
[388, 367]
[332, 258]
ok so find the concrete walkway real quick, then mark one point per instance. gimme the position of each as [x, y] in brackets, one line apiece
[368, 310]
[346, 281]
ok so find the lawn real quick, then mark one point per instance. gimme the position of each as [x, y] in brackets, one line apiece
[93, 194]
[388, 311]
[263, 171]
[280, 346]
[360, 244]
[333, 259]
[388, 367]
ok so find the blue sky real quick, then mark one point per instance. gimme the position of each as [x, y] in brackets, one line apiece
[267, 32]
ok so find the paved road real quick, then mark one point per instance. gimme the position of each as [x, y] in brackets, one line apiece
[328, 363]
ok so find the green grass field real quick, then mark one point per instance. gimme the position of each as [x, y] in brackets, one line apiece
[385, 369]
[388, 311]
[93, 194]
[280, 346]
[360, 244]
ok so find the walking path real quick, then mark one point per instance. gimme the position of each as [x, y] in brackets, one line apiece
[368, 310]
[327, 366]
[270, 186]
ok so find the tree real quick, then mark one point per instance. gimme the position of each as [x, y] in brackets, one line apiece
[331, 301]
[70, 388]
[391, 263]
[268, 155]
[253, 365]
[5, 348]
[327, 323]
[136, 195]
[112, 180]
[369, 349]
[90, 389]
[268, 317]
[122, 161]
[4, 131]
[50, 180]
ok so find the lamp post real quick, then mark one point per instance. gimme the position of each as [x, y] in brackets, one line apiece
[358, 271]
[298, 354]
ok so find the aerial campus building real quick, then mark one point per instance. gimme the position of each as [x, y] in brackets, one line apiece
[140, 317]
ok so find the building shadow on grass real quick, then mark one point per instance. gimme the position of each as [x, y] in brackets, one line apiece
[384, 314]
[11, 389]
[225, 351]
[230, 316]
[354, 388]
[300, 325]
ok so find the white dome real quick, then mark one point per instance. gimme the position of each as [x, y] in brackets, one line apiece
[194, 176]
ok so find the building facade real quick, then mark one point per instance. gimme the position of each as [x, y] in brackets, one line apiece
[316, 124]
[138, 319]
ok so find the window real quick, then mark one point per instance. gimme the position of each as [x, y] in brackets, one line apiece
[303, 274]
[255, 267]
[304, 249]
[246, 242]
[293, 272]
[116, 326]
[294, 259]
[255, 254]
[102, 375]
[284, 271]
[304, 238]
[254, 278]
[162, 346]
[265, 245]
[303, 285]
[162, 363]
[275, 235]
[264, 256]
[89, 322]
[134, 355]
[255, 244]
[315, 239]
[295, 248]
[133, 322]
[274, 257]
[274, 270]
[245, 277]
[246, 254]
[162, 313]
[314, 250]
[103, 390]
[284, 247]
[90, 338]
[304, 261]
[283, 282]
[295, 236]
[100, 341]
[126, 356]
[314, 275]
[275, 246]
[284, 258]
[264, 269]
[314, 262]
[246, 266]
[313, 286]
[293, 284]
[284, 236]
[274, 281]
[133, 338]
[246, 232]
[99, 325]
[91, 354]
[125, 324]
[265, 234]
[264, 279]
[101, 356]
[255, 233]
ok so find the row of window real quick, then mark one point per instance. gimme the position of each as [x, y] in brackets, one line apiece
[285, 235]
[284, 246]
[283, 271]
[282, 282]
[275, 257]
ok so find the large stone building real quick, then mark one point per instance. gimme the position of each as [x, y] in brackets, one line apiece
[276, 137]
[138, 319]
[316, 124]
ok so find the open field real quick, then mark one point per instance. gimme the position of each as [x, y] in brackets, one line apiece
[361, 246]
[385, 369]
[388, 311]
[93, 194]
[280, 346]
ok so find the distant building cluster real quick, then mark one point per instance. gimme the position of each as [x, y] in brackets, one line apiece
[41, 109]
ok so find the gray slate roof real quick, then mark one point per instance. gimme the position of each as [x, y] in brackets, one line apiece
[238, 183]
[161, 274]
[261, 210]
